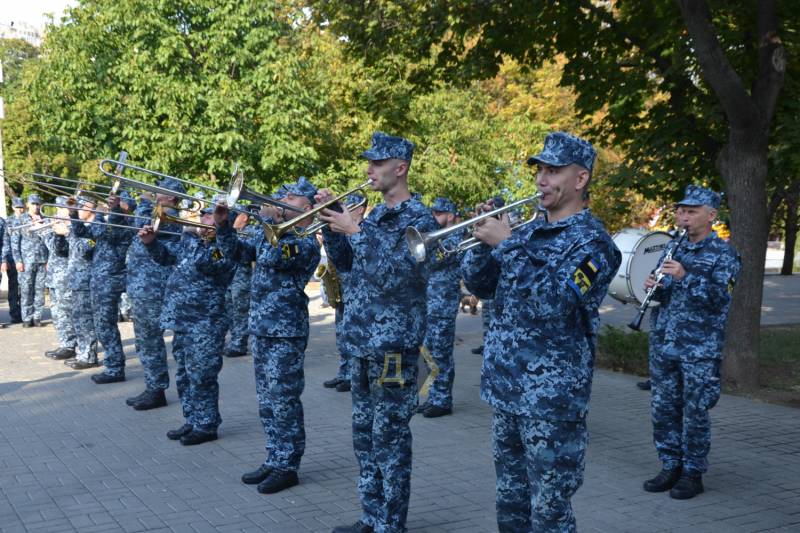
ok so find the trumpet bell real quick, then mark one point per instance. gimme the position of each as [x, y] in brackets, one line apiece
[417, 244]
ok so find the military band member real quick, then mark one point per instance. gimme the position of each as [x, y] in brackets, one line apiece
[444, 295]
[342, 380]
[55, 238]
[384, 325]
[30, 257]
[194, 309]
[145, 284]
[108, 281]
[278, 323]
[547, 281]
[686, 338]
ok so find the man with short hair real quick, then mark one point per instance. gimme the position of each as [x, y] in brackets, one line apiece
[687, 334]
[30, 257]
[547, 280]
[384, 326]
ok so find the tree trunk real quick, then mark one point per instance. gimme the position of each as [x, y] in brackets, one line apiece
[790, 229]
[743, 165]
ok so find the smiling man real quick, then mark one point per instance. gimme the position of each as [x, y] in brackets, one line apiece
[547, 281]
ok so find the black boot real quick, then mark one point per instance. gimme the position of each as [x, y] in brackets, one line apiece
[102, 378]
[688, 486]
[358, 527]
[478, 350]
[80, 365]
[176, 434]
[643, 385]
[665, 480]
[51, 353]
[198, 436]
[277, 481]
[343, 386]
[63, 354]
[151, 400]
[434, 411]
[256, 476]
[331, 383]
[422, 407]
[133, 399]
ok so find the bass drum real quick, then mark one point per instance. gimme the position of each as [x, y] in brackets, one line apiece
[641, 251]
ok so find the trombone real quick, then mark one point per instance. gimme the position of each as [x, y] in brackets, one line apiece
[273, 232]
[316, 226]
[419, 243]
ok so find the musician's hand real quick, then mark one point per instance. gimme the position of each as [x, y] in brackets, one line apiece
[271, 211]
[4, 267]
[240, 222]
[492, 231]
[20, 267]
[673, 268]
[221, 215]
[484, 207]
[650, 282]
[147, 235]
[323, 195]
[343, 222]
[113, 202]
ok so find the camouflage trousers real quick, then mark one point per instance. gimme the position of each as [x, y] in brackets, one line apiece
[539, 466]
[150, 345]
[384, 395]
[439, 338]
[105, 306]
[343, 372]
[682, 394]
[14, 308]
[198, 355]
[31, 286]
[278, 365]
[80, 305]
[62, 318]
[237, 301]
[487, 310]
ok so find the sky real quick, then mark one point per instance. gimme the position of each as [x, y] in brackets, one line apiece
[32, 11]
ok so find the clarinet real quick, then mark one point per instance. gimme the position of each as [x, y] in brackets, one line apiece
[636, 323]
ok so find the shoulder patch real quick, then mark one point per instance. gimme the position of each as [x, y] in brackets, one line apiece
[584, 276]
[216, 254]
[289, 250]
[92, 243]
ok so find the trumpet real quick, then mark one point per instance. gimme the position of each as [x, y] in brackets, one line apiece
[316, 226]
[419, 243]
[273, 232]
[472, 242]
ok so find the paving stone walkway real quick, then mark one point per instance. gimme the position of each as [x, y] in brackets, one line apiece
[74, 457]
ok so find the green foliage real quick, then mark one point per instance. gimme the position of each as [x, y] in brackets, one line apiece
[623, 351]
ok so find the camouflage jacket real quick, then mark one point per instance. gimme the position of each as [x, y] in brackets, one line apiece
[28, 248]
[690, 322]
[278, 302]
[244, 270]
[111, 245]
[79, 266]
[58, 259]
[10, 222]
[444, 291]
[146, 279]
[194, 295]
[547, 281]
[386, 289]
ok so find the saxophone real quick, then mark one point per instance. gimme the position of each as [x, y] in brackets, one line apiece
[330, 281]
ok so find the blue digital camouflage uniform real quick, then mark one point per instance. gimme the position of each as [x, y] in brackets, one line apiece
[547, 281]
[686, 339]
[384, 326]
[108, 282]
[238, 300]
[78, 297]
[29, 249]
[194, 309]
[145, 285]
[443, 294]
[14, 308]
[57, 266]
[278, 322]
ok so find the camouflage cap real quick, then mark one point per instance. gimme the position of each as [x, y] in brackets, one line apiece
[303, 187]
[444, 205]
[173, 185]
[354, 198]
[34, 198]
[562, 149]
[386, 146]
[696, 195]
[17, 202]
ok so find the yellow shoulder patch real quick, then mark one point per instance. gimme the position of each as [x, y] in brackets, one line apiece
[584, 276]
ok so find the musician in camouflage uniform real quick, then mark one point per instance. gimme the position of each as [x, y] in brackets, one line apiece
[30, 257]
[145, 284]
[7, 264]
[686, 338]
[194, 309]
[54, 238]
[547, 280]
[444, 294]
[384, 325]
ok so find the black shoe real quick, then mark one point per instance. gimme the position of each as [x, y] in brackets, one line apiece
[27, 324]
[343, 386]
[358, 527]
[133, 399]
[102, 378]
[278, 481]
[478, 350]
[434, 411]
[151, 400]
[176, 434]
[256, 476]
[331, 383]
[688, 486]
[644, 385]
[422, 407]
[80, 365]
[664, 481]
[38, 323]
[197, 436]
[51, 353]
[63, 354]
[235, 353]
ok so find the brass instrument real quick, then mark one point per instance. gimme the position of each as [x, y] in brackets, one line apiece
[472, 242]
[273, 232]
[419, 243]
[331, 282]
[316, 226]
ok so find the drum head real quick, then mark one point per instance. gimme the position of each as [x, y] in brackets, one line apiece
[640, 254]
